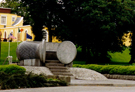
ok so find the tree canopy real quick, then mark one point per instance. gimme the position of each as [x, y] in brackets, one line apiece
[43, 13]
[95, 25]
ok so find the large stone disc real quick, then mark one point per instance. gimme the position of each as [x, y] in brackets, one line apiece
[42, 50]
[66, 52]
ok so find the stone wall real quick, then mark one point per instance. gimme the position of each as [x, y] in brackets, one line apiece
[123, 77]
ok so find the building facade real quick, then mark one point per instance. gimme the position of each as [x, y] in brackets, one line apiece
[12, 23]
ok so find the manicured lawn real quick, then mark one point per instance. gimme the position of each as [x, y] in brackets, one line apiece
[118, 58]
[5, 48]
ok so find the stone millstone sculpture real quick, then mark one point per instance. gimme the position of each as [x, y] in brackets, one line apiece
[31, 50]
[65, 52]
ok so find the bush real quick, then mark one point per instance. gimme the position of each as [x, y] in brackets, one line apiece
[12, 69]
[11, 81]
[109, 69]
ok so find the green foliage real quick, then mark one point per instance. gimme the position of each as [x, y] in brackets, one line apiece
[116, 57]
[120, 57]
[109, 69]
[14, 81]
[45, 13]
[103, 24]
[12, 69]
[79, 62]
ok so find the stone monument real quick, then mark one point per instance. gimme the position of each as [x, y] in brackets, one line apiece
[35, 53]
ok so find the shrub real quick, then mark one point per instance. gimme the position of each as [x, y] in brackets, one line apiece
[11, 81]
[12, 69]
[110, 69]
[96, 68]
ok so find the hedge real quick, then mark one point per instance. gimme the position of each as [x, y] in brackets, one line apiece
[109, 69]
[12, 69]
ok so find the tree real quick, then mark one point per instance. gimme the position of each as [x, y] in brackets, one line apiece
[43, 13]
[98, 26]
[132, 29]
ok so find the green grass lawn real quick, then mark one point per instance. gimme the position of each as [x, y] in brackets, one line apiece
[117, 57]
[5, 48]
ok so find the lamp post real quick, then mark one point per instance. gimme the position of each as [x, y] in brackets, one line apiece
[0, 45]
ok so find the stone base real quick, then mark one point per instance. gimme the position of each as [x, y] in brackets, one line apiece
[122, 77]
[30, 62]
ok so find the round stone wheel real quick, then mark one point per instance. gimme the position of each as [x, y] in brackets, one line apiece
[66, 52]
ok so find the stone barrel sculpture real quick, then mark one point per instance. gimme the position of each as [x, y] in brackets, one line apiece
[65, 52]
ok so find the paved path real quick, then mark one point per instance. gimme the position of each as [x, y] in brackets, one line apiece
[76, 89]
[109, 85]
[108, 82]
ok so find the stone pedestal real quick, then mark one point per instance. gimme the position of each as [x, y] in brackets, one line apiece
[35, 62]
[30, 62]
[27, 62]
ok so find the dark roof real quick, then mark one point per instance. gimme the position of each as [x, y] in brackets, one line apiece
[5, 10]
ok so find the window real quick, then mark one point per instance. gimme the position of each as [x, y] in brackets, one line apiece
[13, 18]
[3, 20]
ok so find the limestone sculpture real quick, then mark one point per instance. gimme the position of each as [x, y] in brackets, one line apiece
[65, 52]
